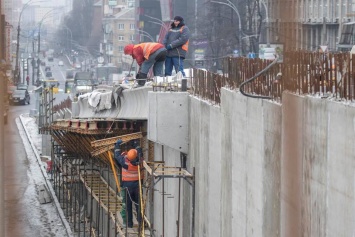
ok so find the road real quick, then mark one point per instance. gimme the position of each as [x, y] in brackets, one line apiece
[24, 215]
[57, 71]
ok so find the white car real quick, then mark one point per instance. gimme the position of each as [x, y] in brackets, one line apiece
[60, 63]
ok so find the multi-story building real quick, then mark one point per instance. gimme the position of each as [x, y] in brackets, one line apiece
[124, 32]
[312, 23]
[118, 25]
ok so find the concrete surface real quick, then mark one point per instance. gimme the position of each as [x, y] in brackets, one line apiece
[133, 105]
[264, 169]
[168, 119]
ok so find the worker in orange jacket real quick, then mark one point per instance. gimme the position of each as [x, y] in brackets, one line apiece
[147, 55]
[128, 162]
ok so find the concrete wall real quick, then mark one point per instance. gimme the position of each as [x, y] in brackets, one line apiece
[236, 151]
[166, 195]
[169, 119]
[317, 168]
[264, 169]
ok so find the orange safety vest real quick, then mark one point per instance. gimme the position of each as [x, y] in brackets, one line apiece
[186, 45]
[147, 48]
[131, 174]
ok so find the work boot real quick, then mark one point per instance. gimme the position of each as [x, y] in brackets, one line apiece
[142, 79]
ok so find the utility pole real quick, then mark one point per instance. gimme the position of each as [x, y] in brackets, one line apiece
[39, 50]
[267, 22]
[17, 71]
[39, 41]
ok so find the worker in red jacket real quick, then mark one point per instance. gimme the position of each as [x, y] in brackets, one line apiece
[147, 55]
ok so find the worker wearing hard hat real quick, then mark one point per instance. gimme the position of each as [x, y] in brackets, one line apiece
[147, 55]
[128, 161]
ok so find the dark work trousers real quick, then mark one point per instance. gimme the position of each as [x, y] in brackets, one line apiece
[132, 199]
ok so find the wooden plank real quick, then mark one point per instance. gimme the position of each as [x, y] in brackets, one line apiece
[113, 140]
[149, 170]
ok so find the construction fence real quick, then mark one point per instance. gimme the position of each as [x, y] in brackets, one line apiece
[300, 72]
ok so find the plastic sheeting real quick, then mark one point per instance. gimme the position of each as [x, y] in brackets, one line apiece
[116, 103]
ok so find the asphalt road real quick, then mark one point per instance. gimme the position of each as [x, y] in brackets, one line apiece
[24, 215]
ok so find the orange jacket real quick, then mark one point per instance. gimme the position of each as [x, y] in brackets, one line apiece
[131, 174]
[142, 51]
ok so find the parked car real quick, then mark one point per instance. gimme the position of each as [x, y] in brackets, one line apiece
[43, 63]
[47, 68]
[20, 97]
[60, 63]
[22, 86]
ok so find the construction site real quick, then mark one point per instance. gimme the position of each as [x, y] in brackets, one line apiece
[85, 176]
[220, 156]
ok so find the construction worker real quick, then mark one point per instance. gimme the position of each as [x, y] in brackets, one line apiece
[176, 42]
[128, 162]
[147, 55]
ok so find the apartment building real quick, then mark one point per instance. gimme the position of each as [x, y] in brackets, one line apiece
[124, 32]
[311, 23]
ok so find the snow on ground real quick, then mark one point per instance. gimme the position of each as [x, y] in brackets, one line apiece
[32, 129]
[44, 215]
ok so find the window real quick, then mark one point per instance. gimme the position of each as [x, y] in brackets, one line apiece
[131, 38]
[120, 48]
[132, 26]
[120, 38]
[121, 26]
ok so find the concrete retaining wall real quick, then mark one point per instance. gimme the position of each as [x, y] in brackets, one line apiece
[236, 151]
[317, 168]
[265, 169]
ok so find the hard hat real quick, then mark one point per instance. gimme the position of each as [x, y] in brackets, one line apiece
[132, 154]
[128, 49]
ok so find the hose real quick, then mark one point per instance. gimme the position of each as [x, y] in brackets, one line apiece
[256, 76]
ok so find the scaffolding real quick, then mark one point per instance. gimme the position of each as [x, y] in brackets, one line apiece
[84, 176]
[158, 171]
[84, 179]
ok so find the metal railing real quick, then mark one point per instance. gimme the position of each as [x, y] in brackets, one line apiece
[64, 104]
[301, 72]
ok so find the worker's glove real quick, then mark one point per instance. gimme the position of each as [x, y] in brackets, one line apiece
[118, 143]
[135, 143]
[135, 162]
[169, 47]
[139, 151]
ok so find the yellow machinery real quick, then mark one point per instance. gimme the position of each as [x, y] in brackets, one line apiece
[51, 84]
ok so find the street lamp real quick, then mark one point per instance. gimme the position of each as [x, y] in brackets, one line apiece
[267, 24]
[160, 22]
[231, 5]
[39, 38]
[17, 71]
[145, 33]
